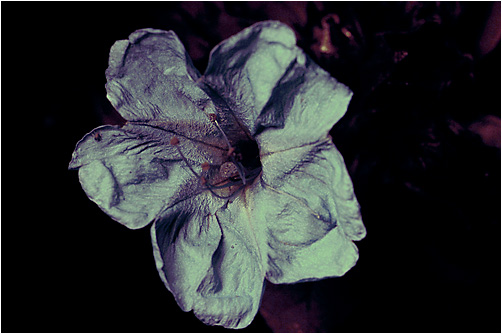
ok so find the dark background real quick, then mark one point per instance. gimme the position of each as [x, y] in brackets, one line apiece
[421, 140]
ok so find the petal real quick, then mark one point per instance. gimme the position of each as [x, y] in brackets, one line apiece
[150, 77]
[184, 243]
[309, 101]
[211, 264]
[245, 68]
[132, 173]
[315, 213]
[331, 256]
[269, 83]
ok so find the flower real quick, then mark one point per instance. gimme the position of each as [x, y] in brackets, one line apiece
[235, 168]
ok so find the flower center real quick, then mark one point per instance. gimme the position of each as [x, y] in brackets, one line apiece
[241, 168]
[250, 154]
[241, 164]
[242, 156]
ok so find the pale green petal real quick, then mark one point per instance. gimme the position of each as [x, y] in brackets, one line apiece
[151, 77]
[271, 84]
[211, 263]
[331, 256]
[317, 174]
[311, 195]
[184, 243]
[132, 173]
[245, 68]
[309, 101]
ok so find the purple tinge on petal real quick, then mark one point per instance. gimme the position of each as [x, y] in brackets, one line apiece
[132, 175]
[245, 69]
[151, 77]
[210, 264]
[268, 82]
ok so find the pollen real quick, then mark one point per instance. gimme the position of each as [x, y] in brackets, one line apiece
[228, 169]
[174, 141]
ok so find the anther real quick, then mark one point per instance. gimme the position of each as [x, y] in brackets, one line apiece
[212, 117]
[205, 166]
[228, 169]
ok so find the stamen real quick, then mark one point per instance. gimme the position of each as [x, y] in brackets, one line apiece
[175, 142]
[225, 197]
[226, 185]
[240, 169]
[224, 135]
[214, 118]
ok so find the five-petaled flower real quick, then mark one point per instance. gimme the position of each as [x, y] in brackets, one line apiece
[235, 168]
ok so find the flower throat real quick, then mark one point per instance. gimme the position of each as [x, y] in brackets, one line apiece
[240, 166]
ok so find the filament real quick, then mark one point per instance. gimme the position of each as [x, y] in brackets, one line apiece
[175, 142]
[223, 133]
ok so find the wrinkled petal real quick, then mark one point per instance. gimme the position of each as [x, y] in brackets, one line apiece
[331, 256]
[309, 102]
[270, 83]
[312, 196]
[245, 69]
[132, 173]
[151, 77]
[184, 244]
[211, 262]
[318, 174]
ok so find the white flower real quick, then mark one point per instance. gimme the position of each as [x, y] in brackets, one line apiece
[235, 168]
